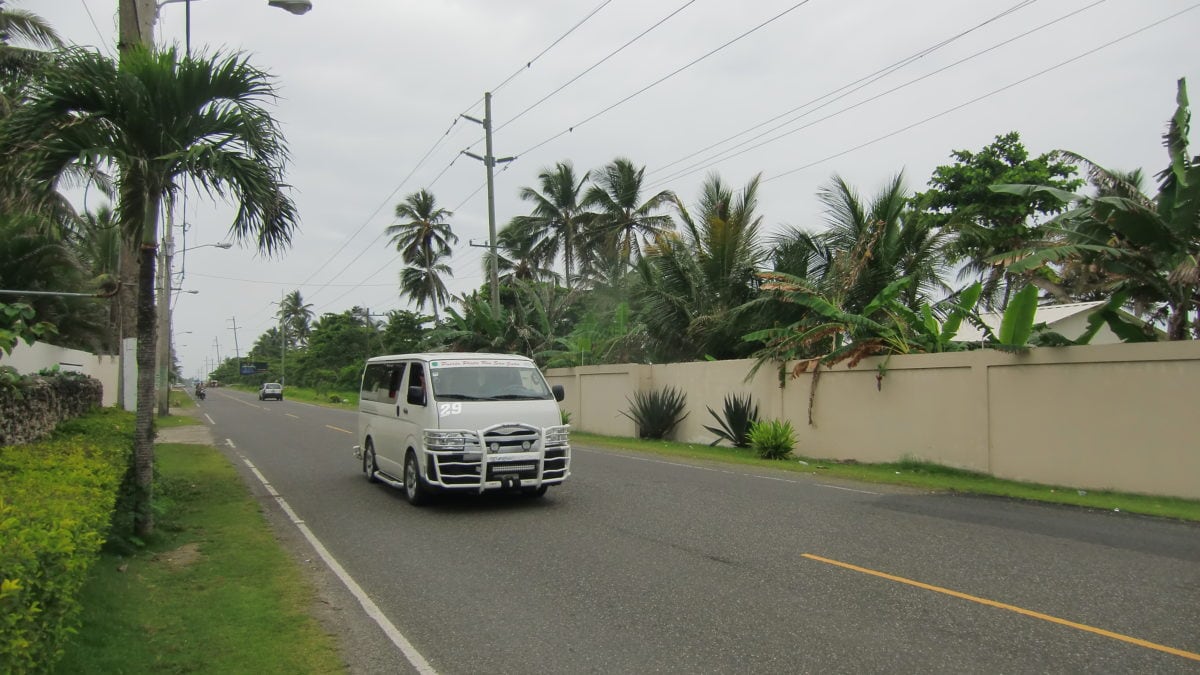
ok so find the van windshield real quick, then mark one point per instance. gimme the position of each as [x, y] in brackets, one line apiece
[489, 383]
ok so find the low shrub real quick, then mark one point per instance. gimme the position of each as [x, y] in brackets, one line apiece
[55, 512]
[772, 439]
[740, 414]
[656, 412]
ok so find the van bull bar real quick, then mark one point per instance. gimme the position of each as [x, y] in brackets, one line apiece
[500, 456]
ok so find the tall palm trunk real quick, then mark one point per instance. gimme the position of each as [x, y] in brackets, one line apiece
[143, 438]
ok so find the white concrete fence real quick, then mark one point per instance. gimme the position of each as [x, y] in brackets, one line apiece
[1100, 417]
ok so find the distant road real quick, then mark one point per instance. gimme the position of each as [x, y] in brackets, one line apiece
[640, 564]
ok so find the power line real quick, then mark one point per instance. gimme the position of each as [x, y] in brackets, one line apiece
[595, 65]
[103, 44]
[862, 82]
[542, 53]
[984, 96]
[430, 152]
[259, 281]
[665, 77]
[730, 153]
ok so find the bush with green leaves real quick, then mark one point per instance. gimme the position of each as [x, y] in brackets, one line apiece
[656, 412]
[772, 439]
[55, 512]
[739, 414]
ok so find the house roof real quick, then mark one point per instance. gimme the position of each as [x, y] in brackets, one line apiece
[1047, 314]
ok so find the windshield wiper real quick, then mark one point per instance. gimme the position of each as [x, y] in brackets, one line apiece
[515, 397]
[459, 397]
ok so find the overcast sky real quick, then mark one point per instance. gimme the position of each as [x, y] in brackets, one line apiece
[370, 86]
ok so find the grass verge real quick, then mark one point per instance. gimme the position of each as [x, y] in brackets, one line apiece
[346, 400]
[913, 474]
[214, 592]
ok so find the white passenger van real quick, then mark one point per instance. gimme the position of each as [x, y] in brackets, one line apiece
[460, 421]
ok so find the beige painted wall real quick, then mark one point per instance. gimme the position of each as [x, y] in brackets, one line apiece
[1098, 416]
[39, 355]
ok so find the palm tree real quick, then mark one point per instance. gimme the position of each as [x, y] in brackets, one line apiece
[866, 246]
[524, 254]
[558, 218]
[160, 119]
[624, 220]
[692, 283]
[296, 317]
[17, 63]
[423, 241]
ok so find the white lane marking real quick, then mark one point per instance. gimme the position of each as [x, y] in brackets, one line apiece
[292, 416]
[731, 473]
[414, 657]
[210, 420]
[229, 442]
[344, 431]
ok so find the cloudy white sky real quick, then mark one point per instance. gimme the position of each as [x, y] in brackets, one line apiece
[369, 87]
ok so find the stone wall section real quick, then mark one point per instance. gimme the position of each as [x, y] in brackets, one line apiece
[35, 405]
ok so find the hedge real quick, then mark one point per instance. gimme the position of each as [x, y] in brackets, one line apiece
[57, 498]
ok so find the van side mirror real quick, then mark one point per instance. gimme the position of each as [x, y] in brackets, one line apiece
[559, 392]
[416, 395]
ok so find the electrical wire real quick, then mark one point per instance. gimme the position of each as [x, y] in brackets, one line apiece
[733, 151]
[103, 45]
[984, 96]
[854, 86]
[542, 53]
[595, 65]
[664, 78]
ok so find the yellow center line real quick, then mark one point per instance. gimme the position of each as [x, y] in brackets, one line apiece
[330, 426]
[1011, 608]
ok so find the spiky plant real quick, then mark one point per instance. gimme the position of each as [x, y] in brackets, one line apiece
[739, 415]
[656, 412]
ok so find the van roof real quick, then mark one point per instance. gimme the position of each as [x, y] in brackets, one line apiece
[447, 356]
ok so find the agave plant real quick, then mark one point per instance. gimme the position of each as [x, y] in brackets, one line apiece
[656, 412]
[739, 414]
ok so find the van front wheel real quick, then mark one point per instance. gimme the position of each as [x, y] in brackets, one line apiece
[415, 489]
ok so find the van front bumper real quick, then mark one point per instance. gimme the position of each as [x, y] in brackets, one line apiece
[499, 457]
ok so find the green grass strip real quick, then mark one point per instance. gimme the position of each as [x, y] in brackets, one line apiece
[913, 474]
[213, 593]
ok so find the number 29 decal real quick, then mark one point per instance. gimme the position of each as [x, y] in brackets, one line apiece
[445, 409]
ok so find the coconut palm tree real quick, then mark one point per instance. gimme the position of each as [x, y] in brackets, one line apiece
[558, 217]
[523, 253]
[423, 240]
[623, 220]
[867, 245]
[693, 282]
[19, 27]
[160, 119]
[296, 317]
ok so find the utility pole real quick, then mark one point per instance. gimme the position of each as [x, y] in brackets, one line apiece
[490, 161]
[163, 350]
[217, 346]
[136, 24]
[236, 350]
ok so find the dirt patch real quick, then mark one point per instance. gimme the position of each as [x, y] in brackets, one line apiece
[180, 558]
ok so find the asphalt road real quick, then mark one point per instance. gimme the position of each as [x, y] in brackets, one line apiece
[640, 565]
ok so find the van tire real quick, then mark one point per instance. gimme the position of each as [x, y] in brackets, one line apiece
[415, 489]
[369, 466]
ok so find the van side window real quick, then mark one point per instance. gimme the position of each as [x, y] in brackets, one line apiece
[416, 378]
[392, 382]
[370, 382]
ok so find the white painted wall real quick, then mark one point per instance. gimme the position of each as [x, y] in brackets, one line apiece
[27, 359]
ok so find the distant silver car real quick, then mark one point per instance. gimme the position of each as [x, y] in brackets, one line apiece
[270, 390]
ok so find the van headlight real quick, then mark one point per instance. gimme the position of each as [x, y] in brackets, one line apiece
[447, 440]
[556, 437]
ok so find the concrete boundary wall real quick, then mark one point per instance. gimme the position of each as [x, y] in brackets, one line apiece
[39, 355]
[1099, 417]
